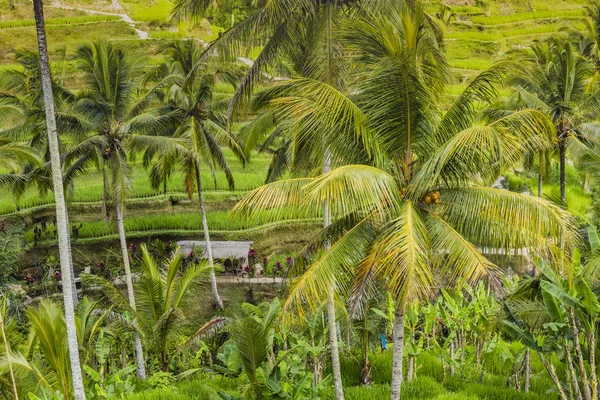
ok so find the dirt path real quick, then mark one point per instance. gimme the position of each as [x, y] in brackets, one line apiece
[116, 5]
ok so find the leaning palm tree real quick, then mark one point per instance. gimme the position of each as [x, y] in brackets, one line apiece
[200, 132]
[419, 211]
[61, 209]
[557, 82]
[115, 114]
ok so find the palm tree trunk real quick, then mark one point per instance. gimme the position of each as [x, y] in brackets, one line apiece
[398, 351]
[71, 270]
[365, 371]
[335, 354]
[62, 228]
[139, 350]
[217, 302]
[7, 349]
[331, 318]
[562, 151]
[527, 370]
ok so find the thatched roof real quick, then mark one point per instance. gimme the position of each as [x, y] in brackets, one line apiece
[237, 250]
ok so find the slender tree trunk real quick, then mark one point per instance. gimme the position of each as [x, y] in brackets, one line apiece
[584, 379]
[593, 376]
[366, 365]
[331, 318]
[123, 355]
[139, 350]
[316, 366]
[62, 228]
[443, 360]
[562, 152]
[8, 357]
[410, 369]
[71, 269]
[527, 370]
[398, 351]
[217, 302]
[572, 375]
[452, 357]
[105, 198]
[482, 374]
[335, 354]
[552, 373]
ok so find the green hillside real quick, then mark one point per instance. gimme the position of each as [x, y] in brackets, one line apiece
[476, 34]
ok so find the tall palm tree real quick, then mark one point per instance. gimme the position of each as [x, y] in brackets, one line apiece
[201, 129]
[61, 209]
[555, 79]
[115, 114]
[412, 214]
[302, 31]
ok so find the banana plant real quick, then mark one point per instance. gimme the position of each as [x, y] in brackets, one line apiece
[412, 331]
[566, 310]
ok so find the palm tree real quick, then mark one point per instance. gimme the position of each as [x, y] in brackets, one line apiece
[115, 115]
[22, 107]
[61, 208]
[554, 79]
[412, 215]
[200, 132]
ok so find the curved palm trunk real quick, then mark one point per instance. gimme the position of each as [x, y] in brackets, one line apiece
[398, 351]
[331, 319]
[217, 302]
[139, 350]
[62, 230]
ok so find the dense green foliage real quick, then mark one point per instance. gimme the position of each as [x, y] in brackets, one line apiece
[402, 143]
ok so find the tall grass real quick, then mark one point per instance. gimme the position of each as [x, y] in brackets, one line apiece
[420, 388]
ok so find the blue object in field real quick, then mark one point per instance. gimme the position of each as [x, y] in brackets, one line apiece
[383, 342]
